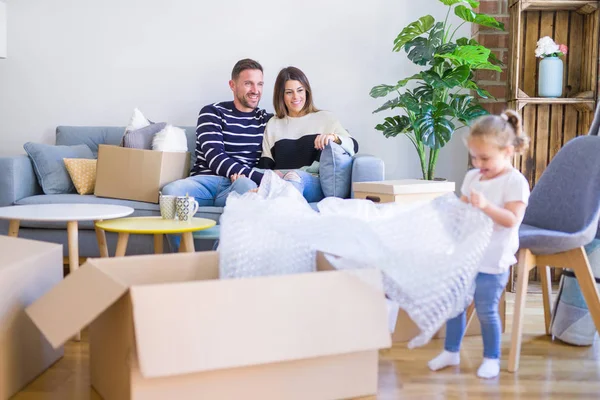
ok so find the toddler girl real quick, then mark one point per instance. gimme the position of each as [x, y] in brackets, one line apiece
[501, 192]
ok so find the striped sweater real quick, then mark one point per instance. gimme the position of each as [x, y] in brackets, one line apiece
[229, 141]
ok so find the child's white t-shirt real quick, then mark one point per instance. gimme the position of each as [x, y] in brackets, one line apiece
[510, 186]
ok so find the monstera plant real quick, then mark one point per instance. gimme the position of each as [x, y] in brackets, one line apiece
[441, 97]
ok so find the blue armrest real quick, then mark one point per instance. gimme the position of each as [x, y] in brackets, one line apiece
[367, 168]
[17, 179]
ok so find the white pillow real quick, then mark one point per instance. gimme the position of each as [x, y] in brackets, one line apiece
[171, 138]
[137, 121]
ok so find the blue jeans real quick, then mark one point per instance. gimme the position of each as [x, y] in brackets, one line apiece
[208, 190]
[307, 184]
[488, 290]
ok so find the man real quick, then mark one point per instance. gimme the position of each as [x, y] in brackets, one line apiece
[228, 142]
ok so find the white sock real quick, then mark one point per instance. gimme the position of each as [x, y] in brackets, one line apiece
[489, 368]
[445, 359]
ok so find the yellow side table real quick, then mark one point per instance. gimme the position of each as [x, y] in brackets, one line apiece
[156, 226]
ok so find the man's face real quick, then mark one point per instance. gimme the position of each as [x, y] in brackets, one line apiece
[247, 89]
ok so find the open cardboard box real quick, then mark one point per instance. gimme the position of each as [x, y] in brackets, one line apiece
[136, 174]
[28, 269]
[165, 327]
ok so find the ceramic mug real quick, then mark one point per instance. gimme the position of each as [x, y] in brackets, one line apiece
[167, 206]
[185, 208]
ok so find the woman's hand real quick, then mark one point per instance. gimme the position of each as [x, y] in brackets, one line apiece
[323, 140]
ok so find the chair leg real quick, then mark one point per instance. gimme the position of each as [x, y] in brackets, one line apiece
[546, 294]
[526, 261]
[585, 278]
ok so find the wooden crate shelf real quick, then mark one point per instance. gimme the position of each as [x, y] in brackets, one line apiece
[551, 122]
[580, 6]
[581, 101]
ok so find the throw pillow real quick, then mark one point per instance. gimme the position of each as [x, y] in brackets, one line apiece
[140, 131]
[83, 174]
[142, 138]
[171, 138]
[49, 167]
[335, 171]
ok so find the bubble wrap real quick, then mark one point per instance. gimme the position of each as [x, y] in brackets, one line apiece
[429, 253]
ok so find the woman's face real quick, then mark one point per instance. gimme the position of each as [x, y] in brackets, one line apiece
[294, 97]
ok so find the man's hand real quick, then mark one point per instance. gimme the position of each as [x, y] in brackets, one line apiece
[235, 177]
[279, 173]
[323, 140]
[478, 200]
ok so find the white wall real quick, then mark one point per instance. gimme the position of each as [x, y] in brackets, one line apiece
[84, 62]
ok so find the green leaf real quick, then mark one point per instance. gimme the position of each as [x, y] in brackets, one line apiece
[421, 50]
[472, 3]
[481, 92]
[457, 76]
[451, 78]
[433, 79]
[468, 55]
[466, 108]
[394, 126]
[445, 48]
[486, 65]
[434, 128]
[384, 90]
[492, 59]
[424, 93]
[411, 102]
[413, 30]
[390, 104]
[381, 91]
[469, 15]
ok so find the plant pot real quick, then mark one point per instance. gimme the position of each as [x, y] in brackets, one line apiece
[550, 79]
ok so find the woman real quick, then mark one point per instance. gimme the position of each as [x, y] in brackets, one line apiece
[295, 136]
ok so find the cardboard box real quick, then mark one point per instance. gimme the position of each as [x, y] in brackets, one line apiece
[28, 269]
[405, 328]
[135, 174]
[401, 191]
[165, 327]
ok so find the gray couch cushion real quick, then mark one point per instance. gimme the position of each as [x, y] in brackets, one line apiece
[92, 136]
[50, 168]
[142, 209]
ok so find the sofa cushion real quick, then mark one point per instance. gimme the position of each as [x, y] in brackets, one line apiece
[141, 208]
[91, 136]
[335, 171]
[50, 168]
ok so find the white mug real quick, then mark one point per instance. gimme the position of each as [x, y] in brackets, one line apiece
[186, 208]
[167, 206]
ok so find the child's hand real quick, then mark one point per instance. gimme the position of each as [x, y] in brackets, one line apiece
[478, 200]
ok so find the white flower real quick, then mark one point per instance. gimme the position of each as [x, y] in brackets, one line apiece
[545, 47]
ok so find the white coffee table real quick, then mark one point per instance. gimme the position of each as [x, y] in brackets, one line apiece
[69, 213]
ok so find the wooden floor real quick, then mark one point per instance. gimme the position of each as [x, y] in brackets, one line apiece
[549, 370]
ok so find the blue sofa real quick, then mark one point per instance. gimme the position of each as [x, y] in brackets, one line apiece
[19, 185]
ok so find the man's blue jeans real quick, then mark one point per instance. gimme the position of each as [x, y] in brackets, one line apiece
[208, 190]
[488, 290]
